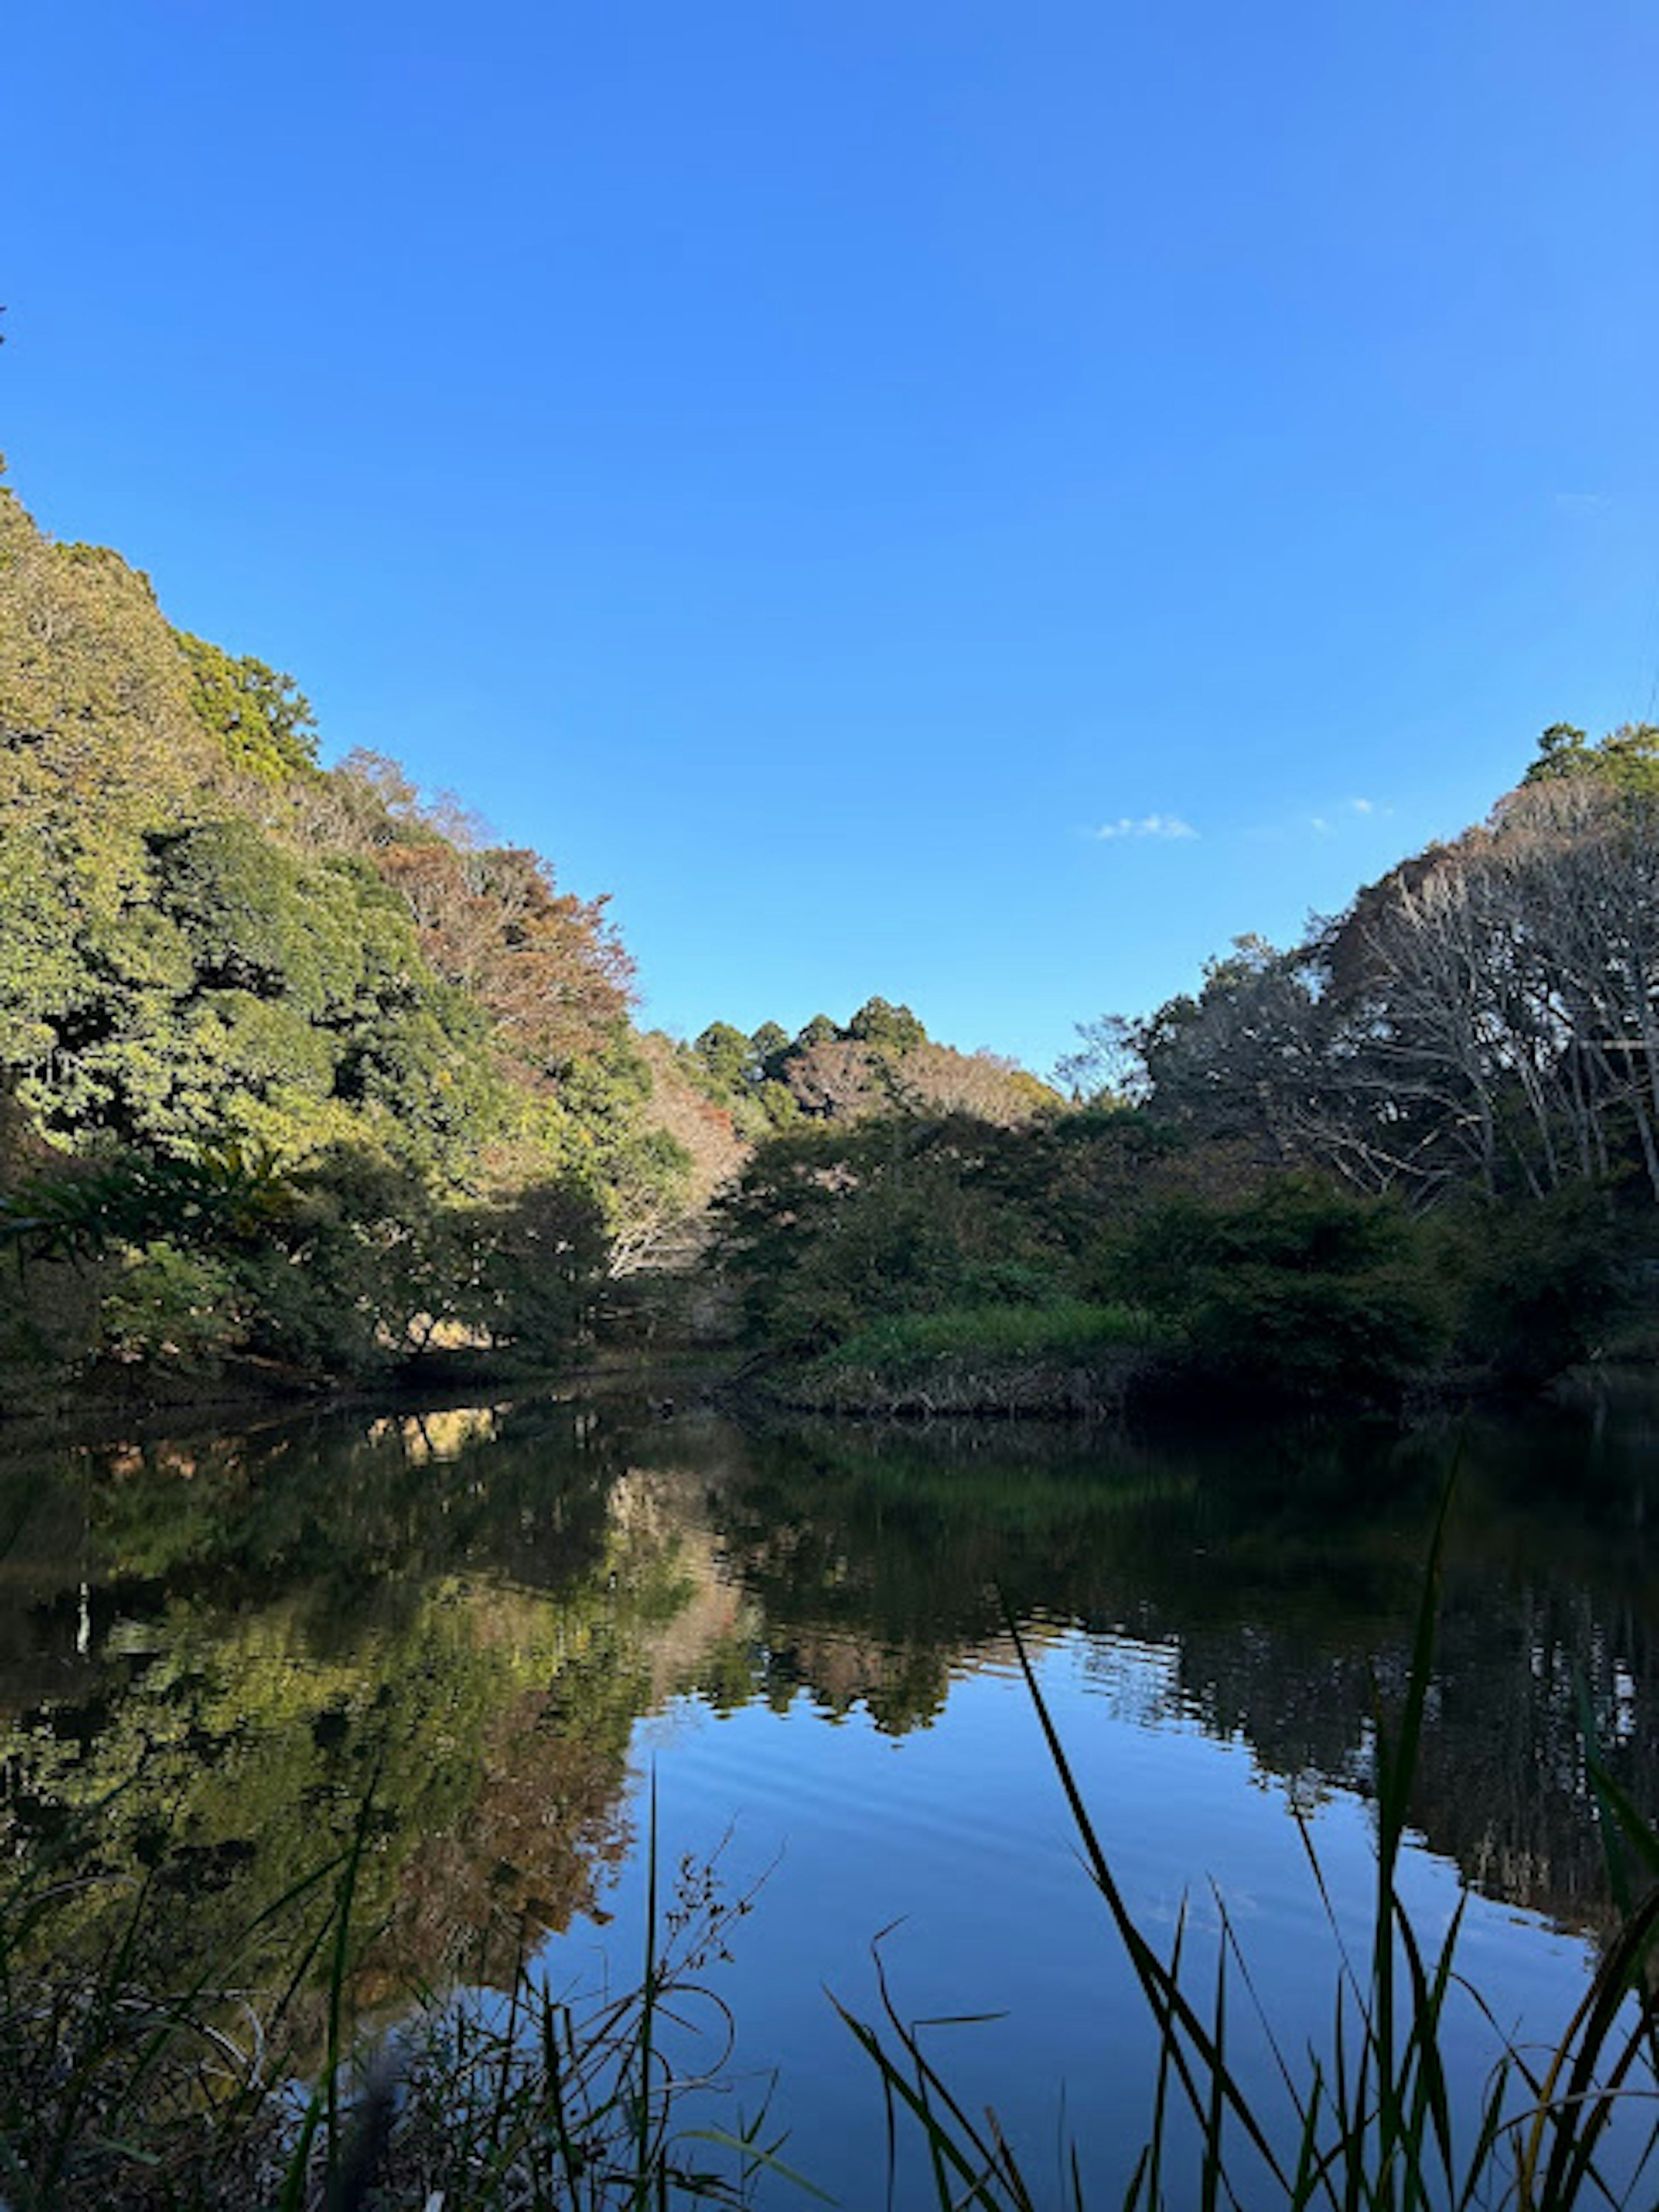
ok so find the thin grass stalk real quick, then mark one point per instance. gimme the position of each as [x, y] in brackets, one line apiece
[931, 2085]
[553, 2071]
[1584, 2112]
[1215, 2119]
[758, 2157]
[1621, 1825]
[98, 2038]
[1169, 2004]
[299, 2163]
[1396, 1766]
[1306, 2175]
[1241, 1962]
[945, 2155]
[255, 2087]
[339, 1963]
[1423, 2076]
[182, 2012]
[648, 2015]
[1310, 2168]
[506, 2050]
[1491, 2133]
[1161, 2090]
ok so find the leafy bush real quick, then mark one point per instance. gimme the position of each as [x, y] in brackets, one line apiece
[1541, 1284]
[1300, 1287]
[372, 1266]
[831, 1231]
[172, 1308]
[215, 1196]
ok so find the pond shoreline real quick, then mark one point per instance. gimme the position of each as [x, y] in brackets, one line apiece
[247, 1401]
[1122, 1385]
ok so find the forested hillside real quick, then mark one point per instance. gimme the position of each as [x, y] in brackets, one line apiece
[1419, 1150]
[302, 1072]
[297, 1065]
[881, 1061]
[300, 1069]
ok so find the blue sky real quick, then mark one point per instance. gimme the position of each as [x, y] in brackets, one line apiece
[812, 469]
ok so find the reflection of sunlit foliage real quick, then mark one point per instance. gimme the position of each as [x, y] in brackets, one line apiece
[443, 1611]
[881, 1558]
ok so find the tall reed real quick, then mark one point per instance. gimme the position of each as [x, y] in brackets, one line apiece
[1370, 2123]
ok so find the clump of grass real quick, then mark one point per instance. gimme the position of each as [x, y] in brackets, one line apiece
[118, 2086]
[1069, 1329]
[1369, 2125]
[540, 2100]
[1066, 1358]
[114, 2092]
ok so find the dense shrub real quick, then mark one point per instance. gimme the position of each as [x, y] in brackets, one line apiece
[828, 1230]
[1298, 1288]
[1541, 1283]
[172, 1309]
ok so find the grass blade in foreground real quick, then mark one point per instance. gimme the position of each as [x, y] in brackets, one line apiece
[1371, 2126]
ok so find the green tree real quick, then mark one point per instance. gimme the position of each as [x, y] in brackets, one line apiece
[886, 1027]
[205, 937]
[768, 1045]
[833, 1225]
[262, 719]
[1299, 1287]
[726, 1054]
[1627, 758]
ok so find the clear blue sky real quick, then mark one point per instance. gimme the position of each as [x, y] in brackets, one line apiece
[811, 468]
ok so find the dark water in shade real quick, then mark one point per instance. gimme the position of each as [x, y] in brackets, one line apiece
[513, 1616]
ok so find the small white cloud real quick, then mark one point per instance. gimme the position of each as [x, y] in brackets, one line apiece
[1582, 502]
[1149, 825]
[1344, 810]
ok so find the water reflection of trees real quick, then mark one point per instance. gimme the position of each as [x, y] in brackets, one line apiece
[215, 1645]
[1281, 1571]
[213, 1651]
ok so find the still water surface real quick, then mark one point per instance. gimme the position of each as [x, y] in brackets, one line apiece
[516, 1617]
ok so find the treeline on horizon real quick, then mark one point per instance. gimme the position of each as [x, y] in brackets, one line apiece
[1420, 1148]
[301, 1071]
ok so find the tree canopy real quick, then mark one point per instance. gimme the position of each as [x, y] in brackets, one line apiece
[208, 940]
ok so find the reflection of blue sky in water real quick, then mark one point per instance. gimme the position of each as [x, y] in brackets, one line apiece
[959, 1834]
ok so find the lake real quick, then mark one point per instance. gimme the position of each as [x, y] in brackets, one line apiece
[512, 1622]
